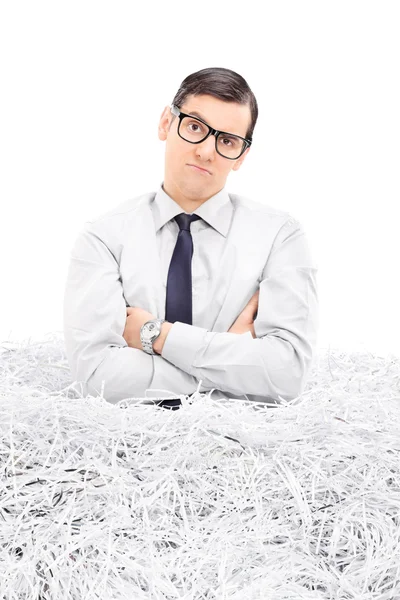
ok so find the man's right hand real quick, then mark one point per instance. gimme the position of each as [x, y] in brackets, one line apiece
[245, 321]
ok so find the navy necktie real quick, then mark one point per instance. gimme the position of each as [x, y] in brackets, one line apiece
[178, 302]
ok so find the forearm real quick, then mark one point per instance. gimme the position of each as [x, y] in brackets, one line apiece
[132, 373]
[158, 345]
[271, 366]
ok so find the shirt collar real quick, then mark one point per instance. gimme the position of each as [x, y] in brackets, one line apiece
[216, 211]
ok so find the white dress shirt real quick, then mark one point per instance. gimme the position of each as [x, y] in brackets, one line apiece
[122, 259]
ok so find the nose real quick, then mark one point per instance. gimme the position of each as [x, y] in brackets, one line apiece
[207, 148]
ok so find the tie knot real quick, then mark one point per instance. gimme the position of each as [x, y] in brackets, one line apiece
[185, 220]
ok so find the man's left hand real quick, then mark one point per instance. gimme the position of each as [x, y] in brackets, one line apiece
[136, 317]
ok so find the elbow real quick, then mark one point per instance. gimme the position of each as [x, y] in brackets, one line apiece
[115, 373]
[124, 373]
[298, 370]
[286, 387]
[101, 366]
[287, 371]
[295, 386]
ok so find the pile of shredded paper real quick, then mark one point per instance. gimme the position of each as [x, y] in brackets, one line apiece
[217, 500]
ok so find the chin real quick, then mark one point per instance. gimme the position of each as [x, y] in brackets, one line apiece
[188, 184]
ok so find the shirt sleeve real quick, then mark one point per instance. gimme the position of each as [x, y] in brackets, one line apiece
[94, 317]
[277, 362]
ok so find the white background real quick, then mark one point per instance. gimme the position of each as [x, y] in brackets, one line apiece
[83, 85]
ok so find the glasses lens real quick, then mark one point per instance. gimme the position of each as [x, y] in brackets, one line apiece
[194, 131]
[230, 145]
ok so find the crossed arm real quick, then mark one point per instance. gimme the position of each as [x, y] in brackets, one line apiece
[136, 317]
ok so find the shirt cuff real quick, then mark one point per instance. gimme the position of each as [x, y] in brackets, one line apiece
[182, 344]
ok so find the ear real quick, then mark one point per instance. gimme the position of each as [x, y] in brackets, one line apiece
[165, 121]
[239, 161]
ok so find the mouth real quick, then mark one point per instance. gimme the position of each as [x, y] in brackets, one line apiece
[199, 169]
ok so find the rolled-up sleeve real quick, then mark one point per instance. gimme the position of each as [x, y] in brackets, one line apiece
[277, 362]
[94, 317]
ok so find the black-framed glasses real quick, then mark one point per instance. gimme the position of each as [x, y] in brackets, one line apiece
[195, 130]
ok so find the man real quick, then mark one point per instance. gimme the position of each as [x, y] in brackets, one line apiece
[192, 283]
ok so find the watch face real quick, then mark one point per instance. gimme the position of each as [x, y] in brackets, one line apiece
[149, 330]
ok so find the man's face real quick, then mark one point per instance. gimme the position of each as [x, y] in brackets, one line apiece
[183, 182]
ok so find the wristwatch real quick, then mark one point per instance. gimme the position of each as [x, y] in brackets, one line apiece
[149, 332]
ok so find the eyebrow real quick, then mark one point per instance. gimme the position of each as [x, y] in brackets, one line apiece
[197, 114]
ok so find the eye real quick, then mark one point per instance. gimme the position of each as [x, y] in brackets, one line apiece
[195, 125]
[230, 141]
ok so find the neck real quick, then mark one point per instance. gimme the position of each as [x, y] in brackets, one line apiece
[188, 204]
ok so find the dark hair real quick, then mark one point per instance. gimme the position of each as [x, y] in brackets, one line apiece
[220, 83]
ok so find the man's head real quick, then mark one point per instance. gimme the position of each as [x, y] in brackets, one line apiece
[223, 99]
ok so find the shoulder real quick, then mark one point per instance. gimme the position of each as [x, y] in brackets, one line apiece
[124, 209]
[262, 213]
[113, 221]
[113, 226]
